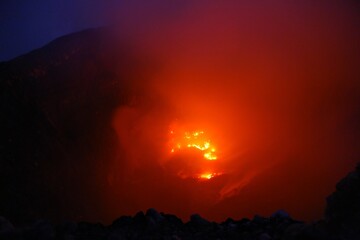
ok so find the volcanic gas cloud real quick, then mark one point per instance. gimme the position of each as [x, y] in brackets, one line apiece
[238, 107]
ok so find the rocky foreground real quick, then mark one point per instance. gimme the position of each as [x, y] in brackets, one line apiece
[342, 221]
[154, 225]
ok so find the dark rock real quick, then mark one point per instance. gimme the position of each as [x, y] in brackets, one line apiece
[155, 225]
[229, 223]
[154, 215]
[343, 206]
[259, 220]
[41, 230]
[294, 231]
[175, 237]
[66, 227]
[243, 221]
[196, 219]
[140, 219]
[173, 220]
[121, 222]
[116, 236]
[56, 105]
[281, 214]
[7, 230]
[264, 236]
[5, 226]
[91, 230]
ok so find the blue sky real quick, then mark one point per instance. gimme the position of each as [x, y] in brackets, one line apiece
[29, 24]
[26, 25]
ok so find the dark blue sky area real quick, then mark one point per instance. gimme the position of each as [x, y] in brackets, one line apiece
[26, 25]
[29, 24]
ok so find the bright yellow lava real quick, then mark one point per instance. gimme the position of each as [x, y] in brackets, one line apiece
[207, 176]
[180, 140]
[196, 140]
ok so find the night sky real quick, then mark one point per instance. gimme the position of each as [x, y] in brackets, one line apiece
[275, 86]
[26, 25]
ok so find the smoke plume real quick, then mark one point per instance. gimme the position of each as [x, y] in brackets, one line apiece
[274, 85]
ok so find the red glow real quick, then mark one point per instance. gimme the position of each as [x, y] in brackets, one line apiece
[180, 140]
[267, 93]
[195, 140]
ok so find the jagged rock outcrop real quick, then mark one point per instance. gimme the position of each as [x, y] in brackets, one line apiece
[341, 223]
[343, 206]
[155, 225]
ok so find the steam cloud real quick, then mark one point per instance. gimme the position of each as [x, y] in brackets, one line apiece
[275, 85]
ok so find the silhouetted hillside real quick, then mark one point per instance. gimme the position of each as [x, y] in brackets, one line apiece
[56, 105]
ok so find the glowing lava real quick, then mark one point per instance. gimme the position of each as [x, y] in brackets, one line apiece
[195, 140]
[208, 176]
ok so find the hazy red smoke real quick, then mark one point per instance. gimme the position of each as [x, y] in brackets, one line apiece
[275, 86]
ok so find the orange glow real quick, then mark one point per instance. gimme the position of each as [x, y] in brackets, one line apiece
[182, 141]
[208, 176]
[195, 139]
[233, 103]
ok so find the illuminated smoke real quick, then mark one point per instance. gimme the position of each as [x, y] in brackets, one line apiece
[273, 86]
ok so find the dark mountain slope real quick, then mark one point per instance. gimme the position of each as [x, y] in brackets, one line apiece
[56, 105]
